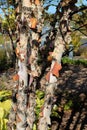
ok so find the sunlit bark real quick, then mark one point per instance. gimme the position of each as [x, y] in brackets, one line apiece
[19, 105]
[63, 37]
[29, 25]
[34, 71]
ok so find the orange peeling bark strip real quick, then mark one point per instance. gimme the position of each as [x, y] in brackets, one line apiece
[16, 77]
[37, 2]
[41, 114]
[54, 71]
[56, 68]
[33, 22]
[48, 76]
[49, 58]
[17, 51]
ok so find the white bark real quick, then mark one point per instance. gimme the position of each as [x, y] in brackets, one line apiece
[26, 3]
[23, 83]
[35, 70]
[52, 86]
[62, 37]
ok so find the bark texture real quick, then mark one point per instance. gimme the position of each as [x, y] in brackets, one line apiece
[63, 37]
[29, 27]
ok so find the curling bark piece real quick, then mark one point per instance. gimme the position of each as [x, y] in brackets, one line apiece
[33, 23]
[52, 76]
[54, 71]
[56, 68]
[16, 77]
[52, 83]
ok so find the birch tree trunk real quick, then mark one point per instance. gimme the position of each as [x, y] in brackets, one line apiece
[19, 96]
[36, 23]
[62, 38]
[51, 87]
[29, 27]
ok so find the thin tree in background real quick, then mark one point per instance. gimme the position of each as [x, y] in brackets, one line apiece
[8, 25]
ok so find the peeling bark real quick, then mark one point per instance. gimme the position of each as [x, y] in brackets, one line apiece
[45, 120]
[28, 70]
[29, 24]
[35, 70]
[62, 38]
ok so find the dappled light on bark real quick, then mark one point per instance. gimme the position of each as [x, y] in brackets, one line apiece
[29, 72]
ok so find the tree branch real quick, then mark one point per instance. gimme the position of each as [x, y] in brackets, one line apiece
[78, 10]
[83, 33]
[79, 27]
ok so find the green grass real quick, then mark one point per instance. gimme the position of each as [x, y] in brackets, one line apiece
[66, 60]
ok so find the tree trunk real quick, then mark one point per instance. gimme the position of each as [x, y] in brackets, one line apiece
[51, 87]
[62, 38]
[13, 49]
[34, 71]
[6, 49]
[29, 26]
[29, 32]
[19, 96]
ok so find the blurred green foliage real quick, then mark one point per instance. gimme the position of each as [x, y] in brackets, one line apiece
[68, 105]
[66, 60]
[39, 102]
[5, 105]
